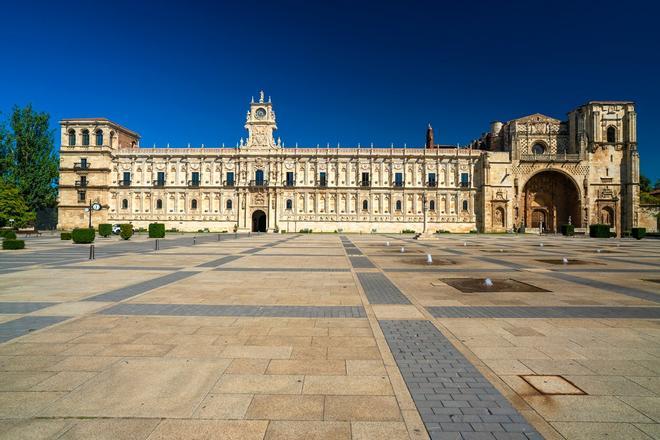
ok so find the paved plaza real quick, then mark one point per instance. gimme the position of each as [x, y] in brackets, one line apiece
[330, 336]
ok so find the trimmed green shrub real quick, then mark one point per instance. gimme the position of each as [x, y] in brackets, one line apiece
[105, 229]
[156, 230]
[8, 234]
[126, 231]
[638, 233]
[9, 243]
[408, 231]
[65, 236]
[599, 231]
[83, 235]
[568, 230]
[306, 231]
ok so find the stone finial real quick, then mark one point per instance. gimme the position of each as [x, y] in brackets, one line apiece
[252, 100]
[430, 143]
[261, 96]
[269, 98]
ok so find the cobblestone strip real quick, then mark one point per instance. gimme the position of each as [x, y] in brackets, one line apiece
[361, 262]
[545, 312]
[380, 290]
[236, 310]
[136, 289]
[280, 269]
[220, 261]
[622, 290]
[11, 308]
[22, 326]
[455, 401]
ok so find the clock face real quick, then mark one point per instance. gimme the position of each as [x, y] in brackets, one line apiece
[260, 113]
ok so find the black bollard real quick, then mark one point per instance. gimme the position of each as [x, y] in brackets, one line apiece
[194, 240]
[156, 246]
[91, 252]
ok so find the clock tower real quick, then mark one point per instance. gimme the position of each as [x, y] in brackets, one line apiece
[260, 124]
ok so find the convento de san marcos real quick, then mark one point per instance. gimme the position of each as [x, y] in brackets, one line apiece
[533, 172]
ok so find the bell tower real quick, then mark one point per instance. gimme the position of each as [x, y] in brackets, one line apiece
[260, 124]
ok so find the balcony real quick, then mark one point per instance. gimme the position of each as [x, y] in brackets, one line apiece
[365, 183]
[322, 183]
[432, 184]
[258, 183]
[80, 166]
[289, 184]
[158, 183]
[561, 157]
[228, 183]
[193, 184]
[464, 185]
[398, 184]
[81, 184]
[124, 183]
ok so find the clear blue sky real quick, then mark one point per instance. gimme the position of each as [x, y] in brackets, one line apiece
[343, 71]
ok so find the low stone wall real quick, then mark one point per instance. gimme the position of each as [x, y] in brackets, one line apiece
[648, 217]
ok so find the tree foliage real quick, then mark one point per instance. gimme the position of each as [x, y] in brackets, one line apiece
[645, 188]
[27, 158]
[12, 206]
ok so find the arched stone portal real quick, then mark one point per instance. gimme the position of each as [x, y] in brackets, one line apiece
[259, 223]
[550, 198]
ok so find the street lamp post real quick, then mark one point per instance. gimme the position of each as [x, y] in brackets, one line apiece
[424, 211]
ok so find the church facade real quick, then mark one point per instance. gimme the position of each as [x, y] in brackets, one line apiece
[536, 172]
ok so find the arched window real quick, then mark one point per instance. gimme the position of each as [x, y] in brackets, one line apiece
[365, 205]
[85, 137]
[124, 204]
[229, 205]
[611, 134]
[99, 138]
[538, 148]
[398, 205]
[432, 205]
[289, 204]
[465, 205]
[159, 204]
[72, 137]
[193, 204]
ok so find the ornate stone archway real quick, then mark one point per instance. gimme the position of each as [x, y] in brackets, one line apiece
[550, 199]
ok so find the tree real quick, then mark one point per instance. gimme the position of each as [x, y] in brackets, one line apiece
[12, 206]
[644, 183]
[27, 157]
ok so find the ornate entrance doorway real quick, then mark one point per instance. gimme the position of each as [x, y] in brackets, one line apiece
[259, 221]
[550, 199]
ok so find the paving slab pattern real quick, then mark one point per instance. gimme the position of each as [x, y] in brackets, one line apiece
[453, 398]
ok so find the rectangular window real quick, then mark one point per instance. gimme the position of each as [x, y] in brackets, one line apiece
[160, 178]
[290, 178]
[83, 181]
[127, 178]
[195, 178]
[398, 179]
[465, 180]
[83, 162]
[365, 179]
[432, 181]
[322, 179]
[230, 178]
[82, 196]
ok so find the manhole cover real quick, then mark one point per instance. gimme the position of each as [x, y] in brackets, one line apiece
[569, 261]
[552, 385]
[481, 285]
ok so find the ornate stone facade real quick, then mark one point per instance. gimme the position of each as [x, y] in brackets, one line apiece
[263, 185]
